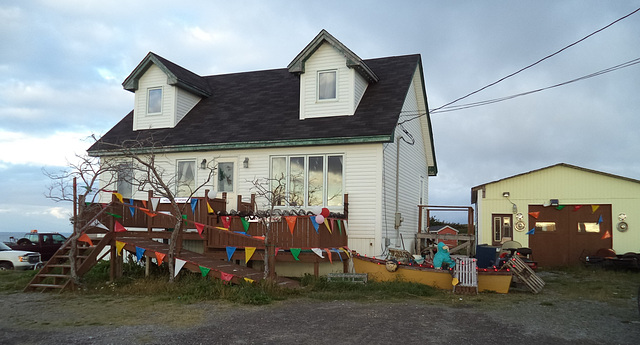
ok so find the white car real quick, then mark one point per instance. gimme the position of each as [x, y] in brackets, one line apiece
[18, 259]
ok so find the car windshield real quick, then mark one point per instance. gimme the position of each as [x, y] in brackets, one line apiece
[4, 247]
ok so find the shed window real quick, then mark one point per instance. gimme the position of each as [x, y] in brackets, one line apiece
[154, 101]
[546, 226]
[327, 86]
[588, 227]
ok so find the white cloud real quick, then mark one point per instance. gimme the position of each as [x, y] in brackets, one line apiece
[55, 149]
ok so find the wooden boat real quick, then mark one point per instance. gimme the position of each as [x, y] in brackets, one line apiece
[488, 280]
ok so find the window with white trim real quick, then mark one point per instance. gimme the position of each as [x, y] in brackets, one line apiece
[327, 85]
[124, 184]
[307, 180]
[185, 178]
[225, 177]
[154, 101]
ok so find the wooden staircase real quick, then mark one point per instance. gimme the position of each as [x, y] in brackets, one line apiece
[56, 273]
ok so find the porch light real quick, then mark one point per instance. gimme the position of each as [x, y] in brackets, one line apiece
[203, 164]
[245, 163]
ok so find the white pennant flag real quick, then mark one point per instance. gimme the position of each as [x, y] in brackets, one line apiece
[179, 264]
[318, 252]
[154, 203]
[97, 224]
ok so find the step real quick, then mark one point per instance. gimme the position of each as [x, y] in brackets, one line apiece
[51, 286]
[51, 275]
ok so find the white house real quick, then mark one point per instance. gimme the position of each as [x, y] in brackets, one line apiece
[330, 124]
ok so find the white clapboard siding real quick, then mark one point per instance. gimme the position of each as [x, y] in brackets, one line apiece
[152, 78]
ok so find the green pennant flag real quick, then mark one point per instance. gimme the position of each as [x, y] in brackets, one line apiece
[114, 215]
[295, 252]
[560, 207]
[245, 223]
[204, 271]
[339, 225]
[184, 216]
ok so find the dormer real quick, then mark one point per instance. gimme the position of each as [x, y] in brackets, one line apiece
[164, 92]
[333, 79]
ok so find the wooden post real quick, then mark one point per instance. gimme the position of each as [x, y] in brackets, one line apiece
[316, 268]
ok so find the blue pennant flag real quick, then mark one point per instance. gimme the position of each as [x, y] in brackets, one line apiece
[131, 208]
[230, 251]
[532, 231]
[194, 202]
[315, 224]
[337, 251]
[139, 253]
[600, 219]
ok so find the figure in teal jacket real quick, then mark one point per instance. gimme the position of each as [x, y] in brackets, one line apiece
[443, 257]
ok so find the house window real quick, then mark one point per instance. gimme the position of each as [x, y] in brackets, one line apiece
[327, 85]
[225, 177]
[124, 184]
[154, 101]
[303, 181]
[502, 228]
[186, 178]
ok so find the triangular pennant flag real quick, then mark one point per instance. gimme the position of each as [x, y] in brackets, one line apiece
[346, 252]
[606, 235]
[318, 252]
[154, 203]
[179, 264]
[85, 238]
[600, 219]
[245, 223]
[226, 276]
[132, 210]
[118, 227]
[221, 228]
[194, 203]
[326, 223]
[119, 246]
[346, 227]
[560, 207]
[248, 253]
[339, 225]
[209, 209]
[276, 252]
[577, 207]
[114, 215]
[97, 224]
[295, 252]
[184, 218]
[337, 251]
[248, 280]
[148, 213]
[230, 251]
[204, 271]
[160, 257]
[531, 232]
[333, 224]
[139, 253]
[291, 221]
[534, 214]
[119, 196]
[144, 203]
[329, 255]
[200, 228]
[315, 224]
[594, 208]
[226, 221]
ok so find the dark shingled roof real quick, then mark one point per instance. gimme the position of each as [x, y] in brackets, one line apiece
[258, 109]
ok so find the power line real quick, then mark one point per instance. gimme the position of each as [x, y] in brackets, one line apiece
[535, 63]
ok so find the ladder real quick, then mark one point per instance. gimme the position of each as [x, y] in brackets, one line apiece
[525, 274]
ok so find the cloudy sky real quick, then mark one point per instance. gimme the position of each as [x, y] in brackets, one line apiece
[62, 63]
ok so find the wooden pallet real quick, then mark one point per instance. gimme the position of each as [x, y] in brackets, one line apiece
[467, 274]
[525, 274]
[361, 278]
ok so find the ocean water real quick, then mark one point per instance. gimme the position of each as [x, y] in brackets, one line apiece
[6, 236]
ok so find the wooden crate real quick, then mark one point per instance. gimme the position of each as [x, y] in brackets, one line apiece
[525, 274]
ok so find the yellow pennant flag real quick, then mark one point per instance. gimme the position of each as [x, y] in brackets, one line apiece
[248, 280]
[119, 196]
[119, 246]
[248, 253]
[326, 223]
[209, 209]
[594, 208]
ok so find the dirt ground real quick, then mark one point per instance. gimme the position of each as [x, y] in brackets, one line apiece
[33, 318]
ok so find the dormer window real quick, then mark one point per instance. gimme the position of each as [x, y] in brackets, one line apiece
[327, 85]
[154, 101]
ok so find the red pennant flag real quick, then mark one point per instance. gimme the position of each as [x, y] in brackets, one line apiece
[85, 238]
[226, 276]
[226, 221]
[606, 235]
[160, 257]
[118, 227]
[534, 214]
[276, 252]
[329, 254]
[200, 228]
[576, 207]
[291, 220]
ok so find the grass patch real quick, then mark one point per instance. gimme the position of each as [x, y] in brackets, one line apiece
[14, 281]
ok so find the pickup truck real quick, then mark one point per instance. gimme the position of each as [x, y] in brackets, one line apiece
[18, 259]
[45, 243]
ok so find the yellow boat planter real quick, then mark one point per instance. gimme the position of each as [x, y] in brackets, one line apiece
[488, 280]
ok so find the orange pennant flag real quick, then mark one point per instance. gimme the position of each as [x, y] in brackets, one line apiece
[606, 235]
[291, 220]
[119, 228]
[119, 246]
[85, 238]
[160, 257]
[594, 208]
[534, 214]
[329, 254]
[149, 213]
[144, 203]
[200, 228]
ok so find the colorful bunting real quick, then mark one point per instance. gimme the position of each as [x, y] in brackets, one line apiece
[226, 276]
[531, 232]
[346, 252]
[119, 246]
[339, 225]
[315, 224]
[230, 251]
[184, 217]
[221, 228]
[148, 213]
[346, 227]
[204, 271]
[326, 223]
[179, 264]
[209, 209]
[329, 255]
[248, 253]
[154, 203]
[131, 208]
[97, 224]
[194, 203]
[600, 219]
[276, 252]
[199, 227]
[594, 208]
[576, 207]
[119, 196]
[144, 203]
[337, 251]
[606, 235]
[291, 221]
[114, 215]
[318, 252]
[534, 214]
[226, 221]
[160, 257]
[560, 207]
[333, 224]
[85, 238]
[295, 252]
[245, 223]
[118, 227]
[139, 253]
